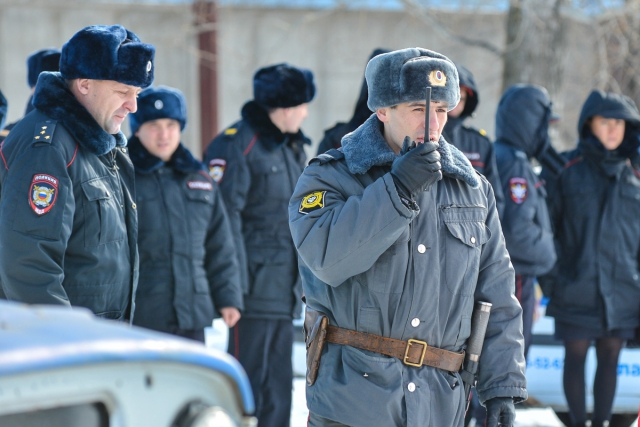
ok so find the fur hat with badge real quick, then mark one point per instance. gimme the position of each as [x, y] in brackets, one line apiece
[283, 86]
[401, 76]
[42, 60]
[101, 52]
[160, 102]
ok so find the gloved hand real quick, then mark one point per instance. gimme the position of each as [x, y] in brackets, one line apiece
[416, 168]
[501, 412]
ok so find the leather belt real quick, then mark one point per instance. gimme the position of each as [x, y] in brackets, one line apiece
[411, 352]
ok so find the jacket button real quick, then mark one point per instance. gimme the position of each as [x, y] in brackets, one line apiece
[411, 387]
[635, 277]
[133, 205]
[415, 322]
[206, 197]
[473, 240]
[274, 169]
[422, 248]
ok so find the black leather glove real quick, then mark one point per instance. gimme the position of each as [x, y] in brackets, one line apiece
[416, 168]
[501, 412]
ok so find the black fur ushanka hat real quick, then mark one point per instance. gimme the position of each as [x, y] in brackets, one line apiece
[101, 52]
[283, 86]
[42, 60]
[402, 76]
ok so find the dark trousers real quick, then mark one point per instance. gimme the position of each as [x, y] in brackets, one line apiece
[263, 347]
[525, 292]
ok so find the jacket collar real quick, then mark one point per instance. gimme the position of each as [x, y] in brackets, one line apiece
[144, 162]
[53, 98]
[270, 136]
[366, 147]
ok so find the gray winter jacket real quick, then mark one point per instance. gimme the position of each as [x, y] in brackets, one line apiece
[373, 265]
[67, 207]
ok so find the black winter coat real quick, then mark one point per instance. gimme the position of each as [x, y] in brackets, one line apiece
[521, 129]
[188, 263]
[67, 208]
[257, 168]
[594, 207]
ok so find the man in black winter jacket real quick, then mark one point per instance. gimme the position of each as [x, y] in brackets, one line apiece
[257, 162]
[522, 123]
[473, 143]
[67, 204]
[189, 270]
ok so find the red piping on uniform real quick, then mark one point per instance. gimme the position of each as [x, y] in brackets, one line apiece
[74, 156]
[539, 184]
[2, 154]
[478, 164]
[572, 162]
[236, 339]
[251, 144]
[519, 288]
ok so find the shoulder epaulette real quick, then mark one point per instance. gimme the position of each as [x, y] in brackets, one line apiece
[44, 131]
[330, 156]
[230, 131]
[4, 133]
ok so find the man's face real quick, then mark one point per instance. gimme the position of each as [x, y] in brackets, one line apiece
[108, 101]
[408, 119]
[455, 113]
[294, 116]
[610, 132]
[160, 137]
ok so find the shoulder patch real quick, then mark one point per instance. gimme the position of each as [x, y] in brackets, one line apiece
[329, 156]
[44, 131]
[231, 131]
[312, 202]
[43, 193]
[216, 169]
[518, 190]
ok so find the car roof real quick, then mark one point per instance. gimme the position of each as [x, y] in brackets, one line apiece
[36, 338]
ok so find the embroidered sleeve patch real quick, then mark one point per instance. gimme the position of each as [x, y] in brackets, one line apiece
[518, 189]
[43, 193]
[199, 185]
[216, 169]
[312, 202]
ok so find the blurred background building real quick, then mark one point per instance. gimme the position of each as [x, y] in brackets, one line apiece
[210, 49]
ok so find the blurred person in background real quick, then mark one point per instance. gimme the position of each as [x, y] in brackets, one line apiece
[37, 62]
[594, 289]
[256, 162]
[473, 142]
[189, 270]
[522, 124]
[333, 136]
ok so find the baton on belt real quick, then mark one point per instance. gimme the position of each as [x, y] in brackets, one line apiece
[479, 321]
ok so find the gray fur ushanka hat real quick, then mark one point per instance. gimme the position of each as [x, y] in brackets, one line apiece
[402, 75]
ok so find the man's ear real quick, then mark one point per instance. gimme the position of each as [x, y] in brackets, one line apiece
[383, 114]
[82, 85]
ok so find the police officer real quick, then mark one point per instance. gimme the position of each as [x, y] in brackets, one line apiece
[39, 61]
[333, 136]
[522, 123]
[256, 162]
[398, 241]
[67, 206]
[189, 270]
[472, 142]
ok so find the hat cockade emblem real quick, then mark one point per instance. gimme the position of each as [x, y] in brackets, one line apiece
[148, 66]
[437, 78]
[158, 104]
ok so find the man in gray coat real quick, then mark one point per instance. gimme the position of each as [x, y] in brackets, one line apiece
[398, 237]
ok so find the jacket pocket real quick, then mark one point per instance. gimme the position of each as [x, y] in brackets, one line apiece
[466, 233]
[104, 219]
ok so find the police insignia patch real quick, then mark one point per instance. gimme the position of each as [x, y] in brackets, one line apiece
[518, 189]
[216, 169]
[437, 78]
[43, 193]
[312, 202]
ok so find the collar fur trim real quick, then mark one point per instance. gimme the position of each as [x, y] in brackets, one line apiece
[53, 98]
[366, 147]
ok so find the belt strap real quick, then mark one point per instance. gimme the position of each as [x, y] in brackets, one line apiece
[412, 352]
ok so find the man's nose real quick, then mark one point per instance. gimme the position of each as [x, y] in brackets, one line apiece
[131, 103]
[433, 121]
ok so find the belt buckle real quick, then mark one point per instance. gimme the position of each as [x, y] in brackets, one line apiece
[411, 342]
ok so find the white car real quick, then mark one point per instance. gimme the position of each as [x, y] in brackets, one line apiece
[544, 375]
[67, 368]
